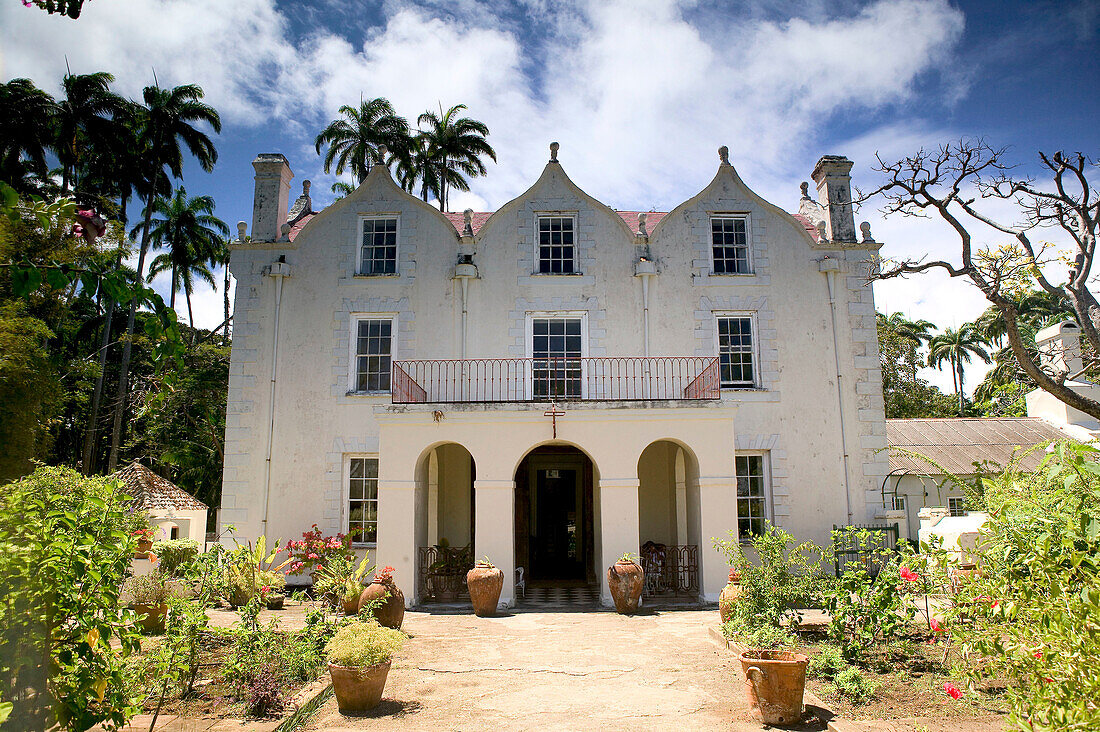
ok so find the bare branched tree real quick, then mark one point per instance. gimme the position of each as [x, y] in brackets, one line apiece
[952, 183]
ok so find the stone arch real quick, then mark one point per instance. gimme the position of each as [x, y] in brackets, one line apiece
[445, 518]
[669, 517]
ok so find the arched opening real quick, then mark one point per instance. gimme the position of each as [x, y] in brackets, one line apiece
[555, 534]
[445, 522]
[669, 523]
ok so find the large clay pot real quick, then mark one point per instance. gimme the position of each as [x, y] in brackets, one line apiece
[358, 688]
[151, 617]
[625, 579]
[392, 610]
[731, 593]
[775, 682]
[485, 584]
[144, 546]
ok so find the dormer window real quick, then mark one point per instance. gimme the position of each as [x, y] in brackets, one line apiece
[555, 250]
[378, 246]
[730, 245]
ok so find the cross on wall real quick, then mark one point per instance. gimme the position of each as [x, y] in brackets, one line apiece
[554, 412]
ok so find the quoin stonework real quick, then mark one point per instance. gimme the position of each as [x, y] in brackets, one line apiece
[554, 383]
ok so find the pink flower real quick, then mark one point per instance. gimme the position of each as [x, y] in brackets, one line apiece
[1038, 654]
[265, 589]
[312, 556]
[909, 575]
[936, 627]
[952, 691]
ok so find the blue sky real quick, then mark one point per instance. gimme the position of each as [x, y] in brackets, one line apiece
[640, 93]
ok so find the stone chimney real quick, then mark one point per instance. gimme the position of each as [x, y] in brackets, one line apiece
[834, 192]
[1060, 348]
[269, 205]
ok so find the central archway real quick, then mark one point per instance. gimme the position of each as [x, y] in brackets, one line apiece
[555, 534]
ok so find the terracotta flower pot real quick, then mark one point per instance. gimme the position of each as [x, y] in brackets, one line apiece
[731, 593]
[625, 580]
[144, 546]
[358, 688]
[151, 617]
[485, 584]
[275, 602]
[351, 605]
[775, 682]
[392, 610]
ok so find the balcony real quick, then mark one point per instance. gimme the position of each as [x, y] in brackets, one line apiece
[675, 378]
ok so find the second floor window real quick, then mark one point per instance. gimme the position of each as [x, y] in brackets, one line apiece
[373, 348]
[378, 249]
[729, 245]
[556, 355]
[735, 352]
[555, 250]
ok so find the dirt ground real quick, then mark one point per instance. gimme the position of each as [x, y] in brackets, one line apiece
[574, 671]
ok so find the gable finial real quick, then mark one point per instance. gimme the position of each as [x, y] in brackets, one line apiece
[805, 189]
[724, 155]
[382, 150]
[242, 231]
[641, 224]
[467, 222]
[821, 231]
[865, 229]
[554, 152]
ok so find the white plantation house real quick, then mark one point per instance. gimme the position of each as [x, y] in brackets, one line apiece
[555, 383]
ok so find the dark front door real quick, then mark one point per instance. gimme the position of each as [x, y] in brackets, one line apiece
[556, 542]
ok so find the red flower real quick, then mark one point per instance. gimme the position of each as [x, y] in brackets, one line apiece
[909, 575]
[936, 627]
[1038, 654]
[996, 604]
[952, 691]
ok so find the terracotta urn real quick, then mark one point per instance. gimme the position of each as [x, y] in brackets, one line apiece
[144, 546]
[391, 612]
[485, 583]
[775, 682]
[275, 601]
[625, 579]
[151, 617]
[358, 688]
[731, 593]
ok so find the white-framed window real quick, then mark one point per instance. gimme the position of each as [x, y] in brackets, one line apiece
[377, 245]
[736, 344]
[371, 352]
[729, 245]
[753, 495]
[555, 245]
[361, 499]
[956, 506]
[556, 345]
[899, 503]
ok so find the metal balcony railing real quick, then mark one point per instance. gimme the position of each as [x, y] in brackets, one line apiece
[555, 379]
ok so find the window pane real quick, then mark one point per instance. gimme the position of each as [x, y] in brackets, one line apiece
[373, 349]
[378, 253]
[557, 366]
[735, 352]
[556, 253]
[729, 245]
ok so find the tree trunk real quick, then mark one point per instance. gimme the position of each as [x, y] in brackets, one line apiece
[190, 314]
[959, 369]
[127, 346]
[172, 297]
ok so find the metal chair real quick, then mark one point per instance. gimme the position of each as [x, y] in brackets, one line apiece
[521, 584]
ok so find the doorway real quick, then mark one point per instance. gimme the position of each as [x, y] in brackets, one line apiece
[554, 516]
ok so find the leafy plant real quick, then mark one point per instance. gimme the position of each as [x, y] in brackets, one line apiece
[865, 611]
[766, 637]
[341, 578]
[265, 694]
[827, 663]
[786, 576]
[66, 548]
[173, 554]
[363, 643]
[314, 550]
[629, 557]
[852, 685]
[147, 589]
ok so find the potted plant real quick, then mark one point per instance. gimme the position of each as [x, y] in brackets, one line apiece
[340, 581]
[731, 593]
[384, 600]
[149, 599]
[359, 658]
[144, 538]
[625, 579]
[775, 681]
[485, 582]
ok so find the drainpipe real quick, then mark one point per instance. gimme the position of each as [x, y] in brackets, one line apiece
[645, 269]
[830, 267]
[276, 270]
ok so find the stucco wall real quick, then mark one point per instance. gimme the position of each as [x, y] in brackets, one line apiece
[794, 417]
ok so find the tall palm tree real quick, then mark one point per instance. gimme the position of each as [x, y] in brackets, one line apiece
[192, 234]
[916, 332]
[164, 123]
[414, 164]
[84, 118]
[25, 126]
[354, 142]
[957, 347]
[456, 145]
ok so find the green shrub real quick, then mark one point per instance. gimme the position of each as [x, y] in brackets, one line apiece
[147, 589]
[66, 547]
[363, 643]
[785, 577]
[175, 554]
[766, 637]
[827, 663]
[852, 685]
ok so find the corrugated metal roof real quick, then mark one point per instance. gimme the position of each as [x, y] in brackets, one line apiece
[150, 491]
[957, 443]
